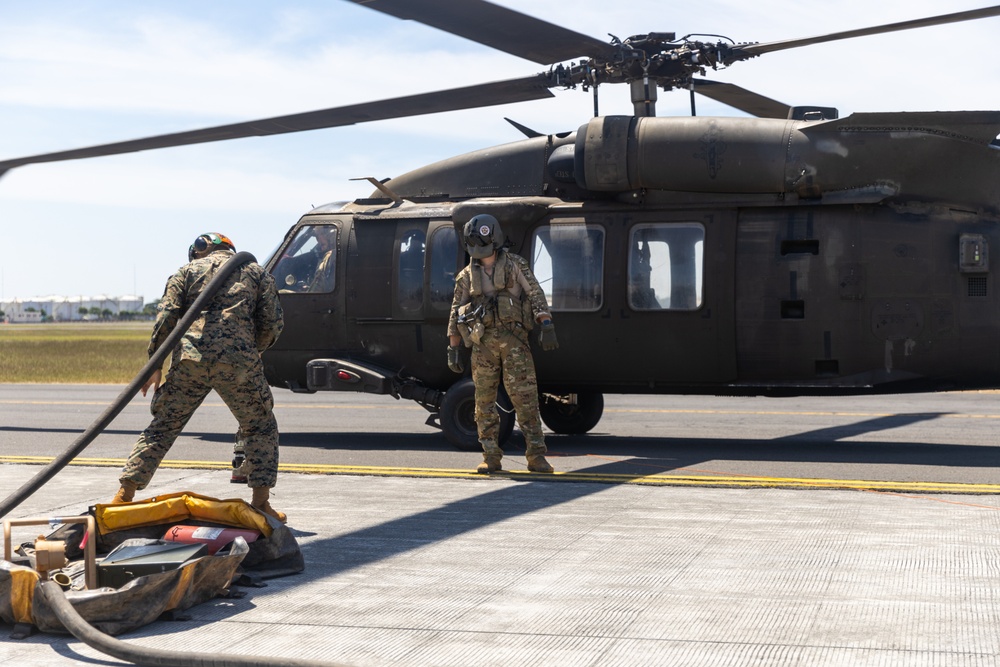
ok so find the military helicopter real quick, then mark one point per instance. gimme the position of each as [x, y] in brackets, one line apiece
[793, 252]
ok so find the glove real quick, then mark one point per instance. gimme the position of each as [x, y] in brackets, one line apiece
[455, 362]
[547, 336]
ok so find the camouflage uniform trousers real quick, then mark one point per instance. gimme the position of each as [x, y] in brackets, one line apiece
[245, 392]
[506, 354]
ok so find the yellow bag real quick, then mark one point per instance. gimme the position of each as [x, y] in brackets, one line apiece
[177, 507]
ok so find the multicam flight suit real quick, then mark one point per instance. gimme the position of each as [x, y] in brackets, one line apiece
[220, 351]
[507, 302]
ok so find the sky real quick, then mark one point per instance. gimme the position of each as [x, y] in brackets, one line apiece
[83, 72]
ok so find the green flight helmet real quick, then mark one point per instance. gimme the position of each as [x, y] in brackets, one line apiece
[482, 236]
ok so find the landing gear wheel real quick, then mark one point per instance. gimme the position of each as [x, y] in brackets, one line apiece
[567, 418]
[458, 416]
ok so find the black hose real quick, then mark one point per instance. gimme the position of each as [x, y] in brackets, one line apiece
[152, 657]
[155, 362]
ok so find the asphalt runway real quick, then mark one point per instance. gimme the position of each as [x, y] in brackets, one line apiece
[915, 438]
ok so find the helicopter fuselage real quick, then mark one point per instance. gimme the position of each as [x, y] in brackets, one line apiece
[683, 255]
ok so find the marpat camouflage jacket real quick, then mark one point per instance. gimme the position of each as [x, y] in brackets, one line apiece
[241, 321]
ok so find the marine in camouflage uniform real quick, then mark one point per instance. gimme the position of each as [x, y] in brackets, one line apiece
[497, 301]
[220, 351]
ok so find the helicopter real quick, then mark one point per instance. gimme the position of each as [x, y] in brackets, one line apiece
[787, 253]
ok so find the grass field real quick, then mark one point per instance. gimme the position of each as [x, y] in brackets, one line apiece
[85, 352]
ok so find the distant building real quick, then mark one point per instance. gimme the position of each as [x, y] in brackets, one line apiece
[26, 317]
[69, 308]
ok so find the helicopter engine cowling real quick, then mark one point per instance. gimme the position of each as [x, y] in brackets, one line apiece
[878, 154]
[746, 155]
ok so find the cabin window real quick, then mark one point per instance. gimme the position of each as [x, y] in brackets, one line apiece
[568, 261]
[665, 266]
[444, 265]
[410, 287]
[309, 263]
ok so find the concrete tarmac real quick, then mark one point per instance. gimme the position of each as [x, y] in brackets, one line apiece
[521, 569]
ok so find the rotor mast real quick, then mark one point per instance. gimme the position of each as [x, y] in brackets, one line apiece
[643, 96]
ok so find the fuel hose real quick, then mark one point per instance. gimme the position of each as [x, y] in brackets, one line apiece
[112, 411]
[152, 657]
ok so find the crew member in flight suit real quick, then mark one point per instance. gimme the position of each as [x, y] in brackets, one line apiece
[497, 302]
[220, 351]
[313, 270]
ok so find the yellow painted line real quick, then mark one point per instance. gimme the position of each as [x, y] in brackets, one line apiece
[287, 406]
[661, 411]
[798, 413]
[10, 402]
[388, 406]
[523, 475]
[117, 463]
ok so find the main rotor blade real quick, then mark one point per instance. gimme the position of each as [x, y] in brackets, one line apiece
[500, 92]
[749, 50]
[741, 98]
[501, 28]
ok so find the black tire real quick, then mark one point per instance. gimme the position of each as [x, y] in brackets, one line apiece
[458, 416]
[572, 419]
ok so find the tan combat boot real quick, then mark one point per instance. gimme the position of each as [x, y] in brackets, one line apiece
[489, 464]
[261, 501]
[537, 463]
[125, 493]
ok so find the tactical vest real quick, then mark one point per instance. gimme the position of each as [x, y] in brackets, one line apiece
[505, 309]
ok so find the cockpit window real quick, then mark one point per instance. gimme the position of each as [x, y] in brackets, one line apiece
[444, 250]
[309, 263]
[410, 290]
